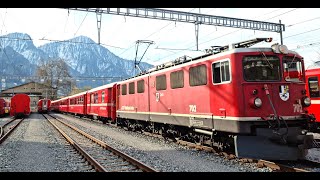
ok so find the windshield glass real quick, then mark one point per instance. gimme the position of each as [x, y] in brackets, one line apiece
[261, 68]
[292, 69]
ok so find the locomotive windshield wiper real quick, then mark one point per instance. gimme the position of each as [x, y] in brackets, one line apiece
[292, 60]
[265, 58]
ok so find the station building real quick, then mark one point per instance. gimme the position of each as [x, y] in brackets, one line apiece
[35, 90]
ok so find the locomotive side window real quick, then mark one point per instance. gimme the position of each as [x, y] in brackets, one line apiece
[161, 82]
[221, 72]
[292, 69]
[176, 79]
[314, 86]
[198, 75]
[131, 88]
[261, 68]
[124, 89]
[102, 96]
[140, 86]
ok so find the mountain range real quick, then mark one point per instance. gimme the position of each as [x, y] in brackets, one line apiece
[85, 58]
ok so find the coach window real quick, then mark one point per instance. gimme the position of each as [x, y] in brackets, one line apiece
[198, 75]
[176, 79]
[313, 86]
[124, 89]
[102, 96]
[140, 86]
[161, 82]
[131, 88]
[96, 98]
[92, 98]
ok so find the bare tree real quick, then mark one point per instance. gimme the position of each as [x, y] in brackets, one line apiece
[56, 75]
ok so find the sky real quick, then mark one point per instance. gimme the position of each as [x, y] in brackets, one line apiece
[119, 34]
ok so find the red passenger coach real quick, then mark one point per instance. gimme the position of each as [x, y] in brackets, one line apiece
[234, 97]
[77, 104]
[44, 105]
[312, 87]
[63, 105]
[20, 105]
[101, 103]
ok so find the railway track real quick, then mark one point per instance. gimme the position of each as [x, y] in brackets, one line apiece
[275, 166]
[7, 128]
[101, 156]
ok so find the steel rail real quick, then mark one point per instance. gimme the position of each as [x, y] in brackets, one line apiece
[6, 135]
[97, 166]
[128, 158]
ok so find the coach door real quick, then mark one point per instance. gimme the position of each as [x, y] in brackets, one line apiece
[91, 102]
[109, 102]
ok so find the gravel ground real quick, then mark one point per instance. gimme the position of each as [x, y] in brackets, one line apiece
[160, 154]
[35, 146]
[3, 120]
[314, 153]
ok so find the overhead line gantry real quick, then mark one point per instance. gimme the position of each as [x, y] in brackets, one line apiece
[187, 17]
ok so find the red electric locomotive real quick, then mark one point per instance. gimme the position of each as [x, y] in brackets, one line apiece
[20, 105]
[312, 87]
[235, 97]
[44, 105]
[252, 101]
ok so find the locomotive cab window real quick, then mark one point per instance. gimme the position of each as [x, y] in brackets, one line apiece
[292, 67]
[261, 68]
[314, 86]
[221, 72]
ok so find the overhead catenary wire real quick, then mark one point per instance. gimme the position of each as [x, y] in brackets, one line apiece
[80, 24]
[189, 48]
[60, 41]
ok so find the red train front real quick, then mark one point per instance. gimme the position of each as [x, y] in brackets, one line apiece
[235, 97]
[20, 105]
[312, 87]
[44, 105]
[4, 109]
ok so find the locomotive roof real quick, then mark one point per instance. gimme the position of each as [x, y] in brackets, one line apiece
[173, 65]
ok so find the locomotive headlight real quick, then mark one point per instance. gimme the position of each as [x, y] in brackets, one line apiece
[306, 101]
[257, 102]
